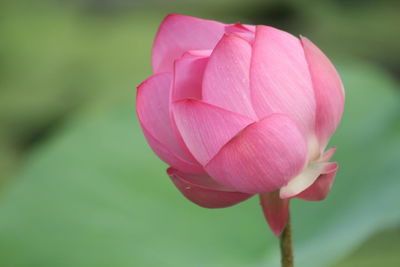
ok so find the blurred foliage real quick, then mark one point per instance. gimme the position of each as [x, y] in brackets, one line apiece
[355, 28]
[89, 192]
[380, 250]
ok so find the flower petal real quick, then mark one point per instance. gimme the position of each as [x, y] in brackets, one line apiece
[206, 128]
[238, 27]
[276, 211]
[170, 158]
[203, 191]
[152, 106]
[188, 75]
[328, 89]
[328, 154]
[304, 179]
[279, 78]
[321, 187]
[226, 78]
[178, 34]
[262, 158]
[246, 32]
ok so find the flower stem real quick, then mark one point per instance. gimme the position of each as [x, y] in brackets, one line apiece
[286, 246]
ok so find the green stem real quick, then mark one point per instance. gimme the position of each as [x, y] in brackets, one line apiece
[286, 246]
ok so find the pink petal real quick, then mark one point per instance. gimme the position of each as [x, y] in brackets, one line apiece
[152, 105]
[321, 187]
[246, 32]
[238, 27]
[276, 211]
[226, 78]
[187, 82]
[305, 179]
[203, 191]
[328, 89]
[262, 158]
[206, 128]
[188, 75]
[197, 53]
[251, 28]
[170, 158]
[279, 78]
[178, 34]
[328, 154]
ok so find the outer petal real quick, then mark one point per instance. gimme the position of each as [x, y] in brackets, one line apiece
[320, 189]
[246, 32]
[305, 179]
[178, 34]
[329, 92]
[238, 27]
[226, 78]
[206, 128]
[152, 105]
[328, 154]
[188, 75]
[279, 77]
[203, 191]
[262, 158]
[170, 158]
[276, 211]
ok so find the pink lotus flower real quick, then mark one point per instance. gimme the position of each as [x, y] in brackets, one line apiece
[238, 110]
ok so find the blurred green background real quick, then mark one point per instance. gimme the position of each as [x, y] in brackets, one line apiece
[80, 187]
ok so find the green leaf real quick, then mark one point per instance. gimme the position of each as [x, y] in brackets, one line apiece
[380, 250]
[95, 195]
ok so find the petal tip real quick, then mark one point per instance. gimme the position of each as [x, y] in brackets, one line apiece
[284, 194]
[276, 211]
[303, 38]
[278, 231]
[320, 189]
